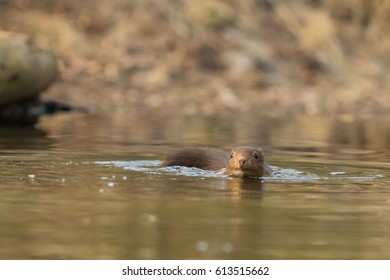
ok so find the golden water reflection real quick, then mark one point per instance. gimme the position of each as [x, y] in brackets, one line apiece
[57, 203]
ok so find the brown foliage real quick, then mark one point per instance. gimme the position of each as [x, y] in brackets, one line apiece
[214, 57]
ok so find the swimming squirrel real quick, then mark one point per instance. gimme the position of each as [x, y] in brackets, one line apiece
[241, 162]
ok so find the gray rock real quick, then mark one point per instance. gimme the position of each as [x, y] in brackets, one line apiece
[25, 70]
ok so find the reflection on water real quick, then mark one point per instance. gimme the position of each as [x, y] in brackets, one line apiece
[89, 187]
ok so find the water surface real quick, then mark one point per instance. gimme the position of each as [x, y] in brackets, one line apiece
[89, 187]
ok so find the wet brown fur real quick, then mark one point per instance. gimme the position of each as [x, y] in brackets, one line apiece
[204, 158]
[241, 162]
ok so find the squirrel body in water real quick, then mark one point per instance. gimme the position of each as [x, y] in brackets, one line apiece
[241, 162]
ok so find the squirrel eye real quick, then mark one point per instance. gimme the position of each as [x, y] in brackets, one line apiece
[231, 155]
[255, 156]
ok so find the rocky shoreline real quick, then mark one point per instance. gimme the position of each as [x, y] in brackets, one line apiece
[272, 58]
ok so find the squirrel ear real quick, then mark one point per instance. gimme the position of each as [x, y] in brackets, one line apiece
[260, 149]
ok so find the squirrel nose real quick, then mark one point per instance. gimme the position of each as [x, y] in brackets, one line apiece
[242, 162]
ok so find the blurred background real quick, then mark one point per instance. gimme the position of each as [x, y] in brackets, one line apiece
[214, 57]
[305, 79]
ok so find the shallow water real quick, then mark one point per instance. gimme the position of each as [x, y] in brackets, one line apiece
[89, 187]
